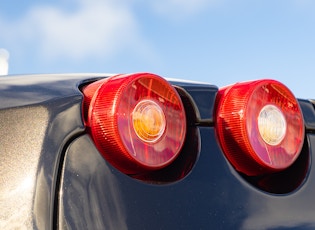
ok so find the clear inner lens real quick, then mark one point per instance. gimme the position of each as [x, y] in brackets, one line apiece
[148, 121]
[272, 125]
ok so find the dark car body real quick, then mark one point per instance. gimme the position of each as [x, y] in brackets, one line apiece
[53, 177]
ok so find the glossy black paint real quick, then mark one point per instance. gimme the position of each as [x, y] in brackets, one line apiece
[308, 114]
[212, 196]
[52, 176]
[39, 114]
[201, 100]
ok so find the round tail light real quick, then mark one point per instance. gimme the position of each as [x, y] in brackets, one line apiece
[137, 121]
[259, 125]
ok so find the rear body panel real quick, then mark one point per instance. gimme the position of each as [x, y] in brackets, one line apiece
[38, 116]
[53, 177]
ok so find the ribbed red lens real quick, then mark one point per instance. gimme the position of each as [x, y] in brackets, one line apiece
[137, 121]
[260, 126]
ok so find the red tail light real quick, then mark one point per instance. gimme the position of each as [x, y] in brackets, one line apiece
[259, 125]
[137, 121]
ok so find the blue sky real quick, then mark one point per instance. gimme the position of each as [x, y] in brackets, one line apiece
[215, 41]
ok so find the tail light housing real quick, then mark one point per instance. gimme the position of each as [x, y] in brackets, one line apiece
[137, 121]
[259, 125]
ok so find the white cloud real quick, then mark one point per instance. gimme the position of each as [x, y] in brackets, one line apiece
[4, 65]
[91, 28]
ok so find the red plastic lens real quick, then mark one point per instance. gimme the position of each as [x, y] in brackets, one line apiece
[260, 126]
[137, 121]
